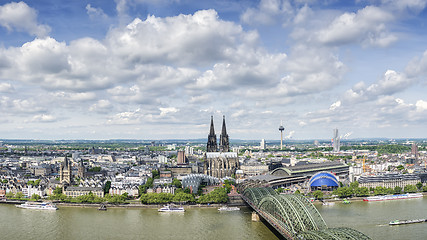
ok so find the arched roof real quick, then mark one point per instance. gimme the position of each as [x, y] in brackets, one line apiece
[323, 179]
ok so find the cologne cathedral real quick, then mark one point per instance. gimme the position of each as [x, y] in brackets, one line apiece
[220, 162]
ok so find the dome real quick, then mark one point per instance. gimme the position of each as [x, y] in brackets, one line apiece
[323, 179]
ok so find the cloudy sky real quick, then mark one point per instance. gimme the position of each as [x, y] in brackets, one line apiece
[158, 69]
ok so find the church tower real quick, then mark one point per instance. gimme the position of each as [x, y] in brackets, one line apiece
[224, 145]
[81, 170]
[65, 171]
[212, 146]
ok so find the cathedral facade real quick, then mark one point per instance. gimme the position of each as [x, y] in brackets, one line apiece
[220, 162]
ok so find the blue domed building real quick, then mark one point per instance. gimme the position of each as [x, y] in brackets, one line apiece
[323, 181]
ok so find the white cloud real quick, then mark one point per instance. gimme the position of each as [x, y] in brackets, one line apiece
[421, 105]
[335, 105]
[267, 12]
[166, 111]
[6, 88]
[101, 106]
[20, 17]
[95, 13]
[367, 26]
[43, 118]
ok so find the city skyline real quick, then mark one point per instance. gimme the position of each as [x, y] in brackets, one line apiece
[136, 69]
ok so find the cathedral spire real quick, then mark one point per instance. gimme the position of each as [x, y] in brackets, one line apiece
[224, 145]
[212, 146]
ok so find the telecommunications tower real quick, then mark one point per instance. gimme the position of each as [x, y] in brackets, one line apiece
[281, 129]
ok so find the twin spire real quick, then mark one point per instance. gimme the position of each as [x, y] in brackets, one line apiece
[224, 145]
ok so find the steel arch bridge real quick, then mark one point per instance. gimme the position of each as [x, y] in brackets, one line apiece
[293, 216]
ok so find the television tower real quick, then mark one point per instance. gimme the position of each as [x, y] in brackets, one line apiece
[281, 129]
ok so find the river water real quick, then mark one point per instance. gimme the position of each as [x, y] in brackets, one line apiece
[201, 223]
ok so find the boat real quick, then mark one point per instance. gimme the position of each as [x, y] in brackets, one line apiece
[401, 222]
[328, 203]
[393, 197]
[228, 209]
[345, 201]
[38, 205]
[102, 207]
[171, 208]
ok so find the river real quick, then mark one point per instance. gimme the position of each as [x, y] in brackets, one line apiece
[201, 223]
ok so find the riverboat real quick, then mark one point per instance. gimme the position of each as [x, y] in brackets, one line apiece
[393, 197]
[328, 203]
[170, 208]
[401, 222]
[228, 209]
[102, 207]
[38, 206]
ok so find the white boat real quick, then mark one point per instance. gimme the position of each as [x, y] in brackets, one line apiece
[228, 209]
[328, 203]
[393, 197]
[38, 205]
[170, 208]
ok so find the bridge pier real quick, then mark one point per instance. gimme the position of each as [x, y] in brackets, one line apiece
[255, 217]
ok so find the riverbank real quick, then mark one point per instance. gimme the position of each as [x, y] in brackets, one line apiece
[352, 199]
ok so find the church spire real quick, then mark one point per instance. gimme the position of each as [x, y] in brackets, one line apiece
[224, 145]
[211, 146]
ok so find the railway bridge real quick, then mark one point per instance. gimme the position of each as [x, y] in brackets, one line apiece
[294, 216]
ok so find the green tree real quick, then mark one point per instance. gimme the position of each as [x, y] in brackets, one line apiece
[156, 174]
[107, 187]
[343, 192]
[176, 183]
[361, 192]
[183, 197]
[397, 190]
[57, 191]
[218, 195]
[19, 195]
[318, 194]
[419, 185]
[280, 190]
[9, 195]
[35, 197]
[424, 188]
[354, 185]
[410, 189]
[400, 167]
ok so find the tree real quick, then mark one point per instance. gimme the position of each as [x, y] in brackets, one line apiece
[57, 191]
[354, 185]
[9, 195]
[156, 174]
[400, 167]
[410, 189]
[107, 187]
[419, 185]
[318, 194]
[397, 190]
[176, 183]
[424, 188]
[19, 195]
[35, 197]
[361, 192]
[280, 190]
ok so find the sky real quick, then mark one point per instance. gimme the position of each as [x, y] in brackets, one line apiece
[159, 69]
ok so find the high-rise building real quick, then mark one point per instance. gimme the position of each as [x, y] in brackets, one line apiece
[414, 150]
[336, 141]
[181, 158]
[262, 144]
[211, 146]
[224, 145]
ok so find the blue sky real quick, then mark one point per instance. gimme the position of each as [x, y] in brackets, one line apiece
[139, 69]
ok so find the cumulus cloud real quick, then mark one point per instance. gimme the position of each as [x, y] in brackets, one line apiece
[6, 88]
[22, 18]
[101, 106]
[95, 13]
[43, 118]
[392, 82]
[367, 26]
[267, 12]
